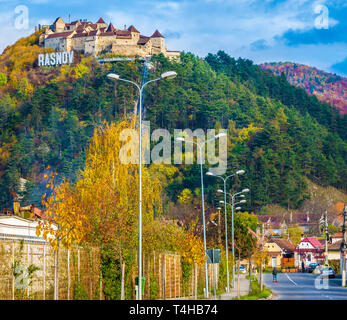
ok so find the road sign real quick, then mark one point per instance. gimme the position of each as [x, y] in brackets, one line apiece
[213, 255]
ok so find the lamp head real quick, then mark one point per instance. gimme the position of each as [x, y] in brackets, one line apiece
[240, 172]
[243, 201]
[180, 139]
[219, 208]
[168, 75]
[220, 191]
[238, 208]
[113, 76]
[221, 201]
[245, 190]
[209, 173]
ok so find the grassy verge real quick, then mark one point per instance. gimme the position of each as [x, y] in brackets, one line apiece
[256, 293]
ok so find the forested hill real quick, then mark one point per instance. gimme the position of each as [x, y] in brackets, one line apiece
[327, 87]
[276, 132]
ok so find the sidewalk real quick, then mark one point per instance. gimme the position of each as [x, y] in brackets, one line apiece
[244, 286]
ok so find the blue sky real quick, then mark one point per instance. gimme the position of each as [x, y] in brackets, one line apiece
[261, 30]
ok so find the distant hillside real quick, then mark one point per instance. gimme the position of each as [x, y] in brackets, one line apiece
[327, 87]
[276, 131]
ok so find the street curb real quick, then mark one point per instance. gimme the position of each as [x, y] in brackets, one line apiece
[270, 297]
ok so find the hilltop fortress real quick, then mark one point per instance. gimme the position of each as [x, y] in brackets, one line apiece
[100, 37]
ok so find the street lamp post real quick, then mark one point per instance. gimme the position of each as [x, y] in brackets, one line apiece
[225, 219]
[232, 222]
[116, 77]
[202, 197]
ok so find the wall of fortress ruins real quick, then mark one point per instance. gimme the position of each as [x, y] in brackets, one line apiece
[100, 37]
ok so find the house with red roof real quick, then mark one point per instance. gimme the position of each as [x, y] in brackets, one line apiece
[309, 250]
[336, 237]
[100, 37]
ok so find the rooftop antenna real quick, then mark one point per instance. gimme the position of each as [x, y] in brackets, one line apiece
[125, 27]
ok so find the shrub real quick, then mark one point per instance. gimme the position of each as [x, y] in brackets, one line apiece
[335, 264]
[3, 79]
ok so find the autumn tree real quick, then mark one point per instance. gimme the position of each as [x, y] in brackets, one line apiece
[294, 233]
[245, 241]
[101, 207]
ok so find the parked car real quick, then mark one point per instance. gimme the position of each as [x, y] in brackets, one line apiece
[312, 266]
[329, 271]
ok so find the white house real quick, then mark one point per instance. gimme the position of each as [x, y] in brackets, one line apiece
[13, 227]
[309, 250]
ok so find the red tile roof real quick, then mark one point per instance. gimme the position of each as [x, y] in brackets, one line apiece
[143, 40]
[92, 25]
[122, 33]
[107, 34]
[92, 33]
[284, 244]
[314, 241]
[110, 27]
[101, 20]
[80, 35]
[335, 246]
[157, 34]
[79, 29]
[133, 29]
[273, 221]
[337, 235]
[59, 35]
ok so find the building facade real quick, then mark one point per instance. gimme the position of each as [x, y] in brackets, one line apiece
[309, 250]
[100, 37]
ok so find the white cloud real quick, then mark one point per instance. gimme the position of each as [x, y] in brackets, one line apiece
[210, 25]
[8, 33]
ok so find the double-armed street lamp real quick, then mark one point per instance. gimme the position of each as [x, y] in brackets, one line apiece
[239, 172]
[233, 196]
[116, 77]
[200, 145]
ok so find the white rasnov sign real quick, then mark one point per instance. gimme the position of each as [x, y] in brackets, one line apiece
[55, 58]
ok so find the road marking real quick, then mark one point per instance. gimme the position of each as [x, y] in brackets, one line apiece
[291, 280]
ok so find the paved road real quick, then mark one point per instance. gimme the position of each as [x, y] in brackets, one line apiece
[304, 286]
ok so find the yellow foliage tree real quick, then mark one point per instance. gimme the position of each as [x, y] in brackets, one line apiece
[64, 221]
[186, 196]
[295, 233]
[236, 135]
[191, 248]
[102, 206]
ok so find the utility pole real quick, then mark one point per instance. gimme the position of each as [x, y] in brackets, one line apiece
[343, 248]
[219, 228]
[261, 258]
